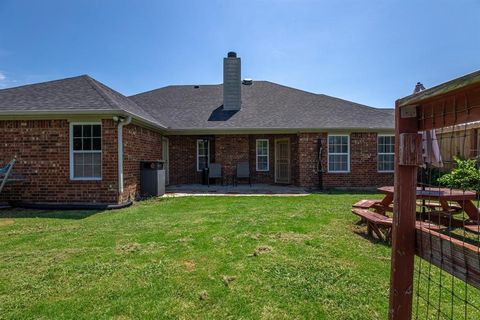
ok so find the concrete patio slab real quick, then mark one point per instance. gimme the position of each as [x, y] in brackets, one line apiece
[229, 190]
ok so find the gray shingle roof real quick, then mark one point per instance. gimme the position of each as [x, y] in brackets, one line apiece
[265, 105]
[77, 94]
[388, 110]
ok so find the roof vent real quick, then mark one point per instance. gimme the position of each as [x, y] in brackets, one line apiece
[247, 81]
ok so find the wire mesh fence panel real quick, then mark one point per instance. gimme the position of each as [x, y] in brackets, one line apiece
[447, 275]
[446, 270]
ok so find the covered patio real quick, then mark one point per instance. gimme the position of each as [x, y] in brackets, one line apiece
[271, 158]
[257, 189]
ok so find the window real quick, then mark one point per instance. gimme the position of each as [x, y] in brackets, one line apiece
[262, 155]
[85, 151]
[203, 154]
[386, 153]
[338, 153]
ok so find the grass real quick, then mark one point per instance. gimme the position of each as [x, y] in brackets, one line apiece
[194, 258]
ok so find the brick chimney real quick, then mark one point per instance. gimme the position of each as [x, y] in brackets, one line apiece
[232, 82]
[418, 87]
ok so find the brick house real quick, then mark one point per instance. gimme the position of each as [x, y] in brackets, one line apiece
[79, 141]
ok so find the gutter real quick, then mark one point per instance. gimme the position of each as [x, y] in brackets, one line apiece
[66, 114]
[121, 123]
[166, 130]
[197, 131]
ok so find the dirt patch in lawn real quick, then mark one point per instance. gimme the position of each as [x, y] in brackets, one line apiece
[203, 295]
[190, 265]
[227, 280]
[255, 236]
[261, 250]
[128, 248]
[6, 222]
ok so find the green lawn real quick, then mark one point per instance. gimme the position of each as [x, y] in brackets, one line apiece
[195, 258]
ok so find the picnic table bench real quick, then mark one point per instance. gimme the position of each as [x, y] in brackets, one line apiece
[441, 204]
[381, 224]
[368, 204]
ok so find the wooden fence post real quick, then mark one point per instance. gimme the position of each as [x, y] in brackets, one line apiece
[407, 158]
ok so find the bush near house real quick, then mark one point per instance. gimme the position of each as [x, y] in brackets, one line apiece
[466, 176]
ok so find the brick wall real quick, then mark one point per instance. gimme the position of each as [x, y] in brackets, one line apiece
[231, 149]
[139, 144]
[363, 163]
[183, 161]
[42, 151]
[307, 158]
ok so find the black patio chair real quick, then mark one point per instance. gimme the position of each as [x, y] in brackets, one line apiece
[215, 172]
[243, 172]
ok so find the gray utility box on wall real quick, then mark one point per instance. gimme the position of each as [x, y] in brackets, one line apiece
[152, 178]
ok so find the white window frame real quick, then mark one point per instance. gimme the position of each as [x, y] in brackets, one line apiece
[208, 153]
[337, 153]
[72, 152]
[262, 155]
[384, 153]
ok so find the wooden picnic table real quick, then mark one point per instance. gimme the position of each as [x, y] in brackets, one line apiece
[442, 195]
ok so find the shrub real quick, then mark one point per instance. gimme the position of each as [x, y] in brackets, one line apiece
[465, 176]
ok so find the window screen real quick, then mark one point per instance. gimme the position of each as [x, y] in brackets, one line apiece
[86, 151]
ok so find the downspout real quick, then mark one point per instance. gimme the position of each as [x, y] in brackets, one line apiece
[319, 163]
[121, 123]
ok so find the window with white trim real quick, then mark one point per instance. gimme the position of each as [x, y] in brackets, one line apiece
[338, 153]
[203, 154]
[386, 153]
[86, 151]
[262, 155]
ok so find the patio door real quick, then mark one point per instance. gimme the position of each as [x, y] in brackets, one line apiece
[165, 158]
[282, 160]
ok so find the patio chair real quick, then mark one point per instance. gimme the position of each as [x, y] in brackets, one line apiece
[215, 172]
[243, 172]
[5, 173]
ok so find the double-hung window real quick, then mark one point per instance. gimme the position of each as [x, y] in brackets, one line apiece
[262, 155]
[386, 153]
[203, 154]
[85, 151]
[338, 153]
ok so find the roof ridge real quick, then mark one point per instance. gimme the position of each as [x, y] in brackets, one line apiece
[43, 82]
[105, 91]
[291, 88]
[174, 85]
[355, 103]
[93, 83]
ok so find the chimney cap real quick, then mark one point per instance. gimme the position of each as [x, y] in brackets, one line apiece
[232, 54]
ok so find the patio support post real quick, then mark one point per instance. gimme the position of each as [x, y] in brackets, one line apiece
[407, 157]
